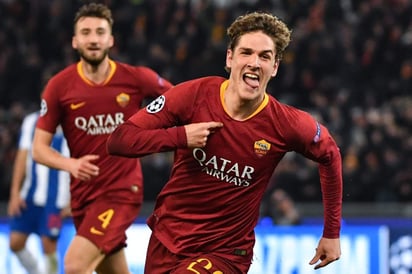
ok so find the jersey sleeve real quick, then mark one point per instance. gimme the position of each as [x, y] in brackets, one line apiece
[50, 111]
[158, 127]
[313, 140]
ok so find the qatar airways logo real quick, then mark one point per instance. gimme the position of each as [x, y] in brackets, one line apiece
[224, 169]
[99, 124]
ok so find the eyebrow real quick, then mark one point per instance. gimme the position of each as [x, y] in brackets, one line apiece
[264, 51]
[89, 29]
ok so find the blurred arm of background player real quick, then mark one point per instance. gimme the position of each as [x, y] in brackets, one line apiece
[16, 203]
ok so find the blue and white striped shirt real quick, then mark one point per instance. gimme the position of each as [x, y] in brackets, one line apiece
[42, 185]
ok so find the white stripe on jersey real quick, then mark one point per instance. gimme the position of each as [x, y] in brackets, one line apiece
[39, 184]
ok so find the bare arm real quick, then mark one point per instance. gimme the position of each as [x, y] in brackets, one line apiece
[44, 154]
[19, 172]
[81, 168]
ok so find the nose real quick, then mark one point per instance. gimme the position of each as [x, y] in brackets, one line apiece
[254, 62]
[93, 37]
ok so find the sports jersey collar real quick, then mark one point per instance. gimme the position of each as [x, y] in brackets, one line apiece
[223, 88]
[112, 65]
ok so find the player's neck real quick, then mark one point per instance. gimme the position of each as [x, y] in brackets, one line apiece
[240, 109]
[97, 74]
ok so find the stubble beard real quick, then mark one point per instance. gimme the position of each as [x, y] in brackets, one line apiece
[93, 61]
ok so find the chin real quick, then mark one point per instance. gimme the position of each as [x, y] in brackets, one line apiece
[93, 60]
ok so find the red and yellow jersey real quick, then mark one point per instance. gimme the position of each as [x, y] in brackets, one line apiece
[88, 113]
[212, 200]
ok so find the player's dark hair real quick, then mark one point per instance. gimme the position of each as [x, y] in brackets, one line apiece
[94, 10]
[260, 21]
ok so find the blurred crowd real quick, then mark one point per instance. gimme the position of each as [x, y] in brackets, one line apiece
[349, 64]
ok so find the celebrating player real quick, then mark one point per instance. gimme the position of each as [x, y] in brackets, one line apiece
[228, 136]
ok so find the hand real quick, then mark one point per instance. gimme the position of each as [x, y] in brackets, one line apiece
[16, 204]
[198, 133]
[66, 212]
[83, 168]
[328, 251]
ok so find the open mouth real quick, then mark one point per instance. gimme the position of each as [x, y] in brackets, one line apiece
[251, 79]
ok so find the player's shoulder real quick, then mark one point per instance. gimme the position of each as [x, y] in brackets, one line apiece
[122, 65]
[65, 75]
[211, 80]
[204, 82]
[287, 113]
[135, 73]
[134, 69]
[281, 106]
[204, 86]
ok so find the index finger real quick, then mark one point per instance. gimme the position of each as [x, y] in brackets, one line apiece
[315, 258]
[91, 157]
[214, 124]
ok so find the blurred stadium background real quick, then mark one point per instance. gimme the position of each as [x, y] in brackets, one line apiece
[349, 64]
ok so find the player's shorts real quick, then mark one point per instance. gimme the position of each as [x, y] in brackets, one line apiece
[43, 221]
[105, 222]
[160, 260]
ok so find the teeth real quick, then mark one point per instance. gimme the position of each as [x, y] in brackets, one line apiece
[253, 76]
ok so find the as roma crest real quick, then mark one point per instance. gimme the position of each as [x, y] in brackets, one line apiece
[123, 99]
[261, 147]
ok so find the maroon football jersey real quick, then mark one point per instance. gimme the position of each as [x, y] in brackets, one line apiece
[212, 200]
[88, 113]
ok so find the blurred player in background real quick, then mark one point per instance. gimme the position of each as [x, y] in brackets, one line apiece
[39, 199]
[90, 99]
[228, 136]
[281, 208]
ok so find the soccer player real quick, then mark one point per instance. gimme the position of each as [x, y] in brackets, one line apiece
[90, 99]
[228, 136]
[38, 196]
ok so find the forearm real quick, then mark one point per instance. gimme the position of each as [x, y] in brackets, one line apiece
[43, 153]
[19, 172]
[128, 140]
[47, 156]
[331, 184]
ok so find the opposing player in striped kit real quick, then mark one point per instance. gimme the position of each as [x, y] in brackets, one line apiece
[38, 197]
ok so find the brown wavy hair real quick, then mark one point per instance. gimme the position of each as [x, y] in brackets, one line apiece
[260, 21]
[94, 10]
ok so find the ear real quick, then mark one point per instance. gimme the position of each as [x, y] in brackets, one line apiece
[229, 57]
[74, 42]
[111, 42]
[275, 68]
